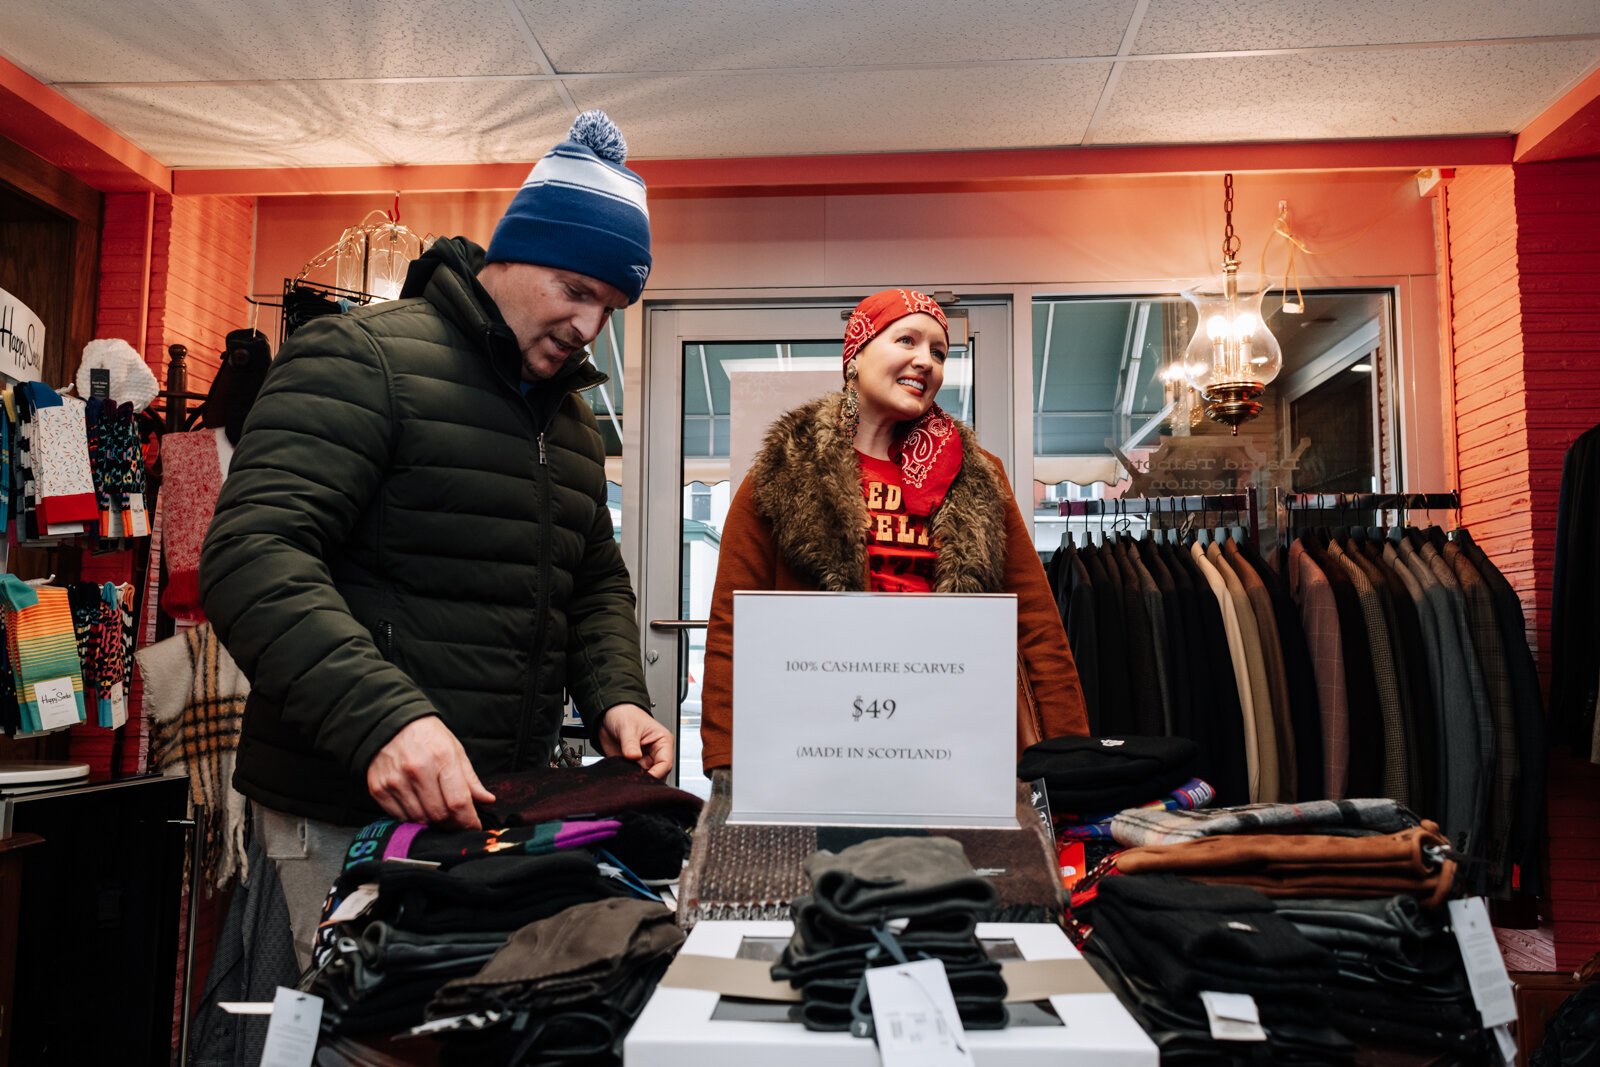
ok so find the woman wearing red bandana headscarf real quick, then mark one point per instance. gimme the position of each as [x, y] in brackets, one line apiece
[875, 488]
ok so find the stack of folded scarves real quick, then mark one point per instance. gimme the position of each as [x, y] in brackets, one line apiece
[446, 900]
[885, 901]
[1364, 880]
[565, 989]
[376, 971]
[1400, 981]
[1161, 941]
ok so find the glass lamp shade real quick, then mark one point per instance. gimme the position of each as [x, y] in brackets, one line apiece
[1232, 356]
[374, 259]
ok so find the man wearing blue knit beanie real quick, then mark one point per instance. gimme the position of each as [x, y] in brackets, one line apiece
[412, 557]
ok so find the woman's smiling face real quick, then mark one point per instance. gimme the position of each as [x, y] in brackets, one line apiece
[899, 372]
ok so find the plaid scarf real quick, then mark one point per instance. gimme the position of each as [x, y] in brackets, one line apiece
[195, 694]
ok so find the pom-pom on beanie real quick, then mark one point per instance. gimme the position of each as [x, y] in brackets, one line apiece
[581, 210]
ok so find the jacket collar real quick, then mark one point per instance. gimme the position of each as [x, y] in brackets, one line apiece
[807, 484]
[446, 276]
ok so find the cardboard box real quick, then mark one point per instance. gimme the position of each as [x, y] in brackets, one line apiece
[677, 1028]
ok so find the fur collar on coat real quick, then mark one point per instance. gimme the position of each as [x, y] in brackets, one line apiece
[808, 487]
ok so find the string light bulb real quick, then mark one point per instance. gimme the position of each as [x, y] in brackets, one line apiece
[1233, 356]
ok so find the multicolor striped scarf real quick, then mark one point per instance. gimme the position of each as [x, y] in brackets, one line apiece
[1195, 793]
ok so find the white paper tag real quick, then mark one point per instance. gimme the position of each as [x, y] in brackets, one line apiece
[119, 707]
[1233, 1016]
[1486, 968]
[136, 505]
[292, 1033]
[356, 904]
[915, 1016]
[1507, 1043]
[57, 706]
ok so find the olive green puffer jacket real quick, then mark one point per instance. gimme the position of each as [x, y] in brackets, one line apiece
[402, 533]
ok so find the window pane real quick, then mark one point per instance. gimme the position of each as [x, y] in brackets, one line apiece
[1108, 424]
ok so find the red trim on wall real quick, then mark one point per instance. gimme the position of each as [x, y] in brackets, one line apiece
[879, 173]
[52, 127]
[1568, 128]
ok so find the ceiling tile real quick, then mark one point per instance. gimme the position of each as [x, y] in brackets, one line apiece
[1233, 25]
[1329, 95]
[217, 40]
[848, 111]
[625, 35]
[313, 124]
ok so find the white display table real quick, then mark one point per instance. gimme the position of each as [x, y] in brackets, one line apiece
[676, 1028]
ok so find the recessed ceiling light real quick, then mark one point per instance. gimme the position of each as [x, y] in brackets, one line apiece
[1361, 368]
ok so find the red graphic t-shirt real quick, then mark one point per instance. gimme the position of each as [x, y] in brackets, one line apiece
[900, 552]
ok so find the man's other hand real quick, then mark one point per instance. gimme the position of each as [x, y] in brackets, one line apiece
[423, 775]
[629, 731]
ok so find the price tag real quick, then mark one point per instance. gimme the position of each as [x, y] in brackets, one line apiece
[99, 383]
[1233, 1016]
[119, 707]
[356, 904]
[292, 1033]
[915, 1016]
[1486, 968]
[136, 505]
[1507, 1043]
[57, 705]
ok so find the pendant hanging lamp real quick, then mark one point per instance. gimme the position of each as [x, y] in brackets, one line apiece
[1233, 356]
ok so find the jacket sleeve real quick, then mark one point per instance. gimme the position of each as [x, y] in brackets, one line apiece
[311, 460]
[604, 668]
[746, 561]
[1041, 639]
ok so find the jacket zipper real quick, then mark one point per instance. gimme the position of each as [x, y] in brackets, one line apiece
[388, 640]
[540, 622]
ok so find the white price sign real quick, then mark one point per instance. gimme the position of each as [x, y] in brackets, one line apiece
[863, 709]
[21, 340]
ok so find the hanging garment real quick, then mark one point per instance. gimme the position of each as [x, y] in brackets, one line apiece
[195, 694]
[1417, 686]
[1261, 697]
[246, 358]
[1392, 753]
[1174, 641]
[1365, 722]
[1075, 601]
[1219, 727]
[1496, 670]
[1304, 716]
[191, 478]
[1144, 676]
[1260, 602]
[1575, 604]
[1116, 700]
[1160, 643]
[1241, 672]
[1314, 594]
[63, 484]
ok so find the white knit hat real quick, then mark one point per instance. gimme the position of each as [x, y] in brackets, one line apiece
[131, 380]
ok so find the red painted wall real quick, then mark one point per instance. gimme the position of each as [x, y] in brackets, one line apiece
[1524, 247]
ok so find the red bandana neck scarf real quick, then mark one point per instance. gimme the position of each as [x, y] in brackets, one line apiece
[930, 452]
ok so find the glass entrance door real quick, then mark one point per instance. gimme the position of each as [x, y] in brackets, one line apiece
[715, 378]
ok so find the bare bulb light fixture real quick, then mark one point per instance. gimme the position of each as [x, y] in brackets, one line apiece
[1232, 356]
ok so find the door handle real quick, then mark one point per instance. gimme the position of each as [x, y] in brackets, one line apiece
[679, 624]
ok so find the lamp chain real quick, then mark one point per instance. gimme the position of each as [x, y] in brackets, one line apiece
[1230, 240]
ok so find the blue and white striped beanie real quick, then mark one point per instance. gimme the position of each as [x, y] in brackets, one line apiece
[581, 210]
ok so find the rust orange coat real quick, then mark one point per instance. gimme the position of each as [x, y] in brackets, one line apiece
[798, 523]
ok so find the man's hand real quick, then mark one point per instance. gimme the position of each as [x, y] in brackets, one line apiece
[629, 731]
[423, 775]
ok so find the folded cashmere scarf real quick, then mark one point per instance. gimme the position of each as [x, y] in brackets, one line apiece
[1108, 773]
[1147, 827]
[610, 787]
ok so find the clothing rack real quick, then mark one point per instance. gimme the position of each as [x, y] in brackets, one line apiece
[1289, 503]
[1241, 503]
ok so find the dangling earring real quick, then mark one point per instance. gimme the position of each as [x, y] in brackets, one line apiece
[850, 409]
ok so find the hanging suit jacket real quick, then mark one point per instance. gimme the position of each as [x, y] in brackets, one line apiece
[1355, 551]
[1256, 670]
[1490, 646]
[1311, 591]
[1365, 774]
[1575, 607]
[1179, 683]
[1241, 668]
[1075, 601]
[1396, 780]
[1303, 713]
[1462, 741]
[1480, 693]
[1272, 658]
[1116, 705]
[1150, 593]
[1528, 821]
[1144, 680]
[1214, 700]
[1423, 713]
